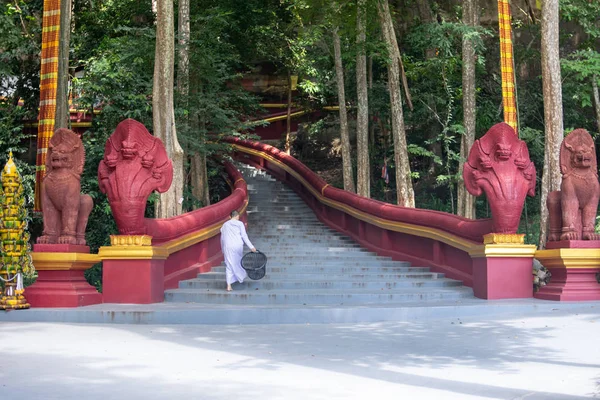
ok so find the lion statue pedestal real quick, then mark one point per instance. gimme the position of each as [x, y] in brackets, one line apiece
[61, 255]
[573, 250]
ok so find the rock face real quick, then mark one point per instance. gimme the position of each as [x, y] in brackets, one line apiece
[135, 164]
[499, 166]
[573, 208]
[65, 210]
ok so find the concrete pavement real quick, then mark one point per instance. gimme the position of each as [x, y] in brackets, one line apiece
[546, 354]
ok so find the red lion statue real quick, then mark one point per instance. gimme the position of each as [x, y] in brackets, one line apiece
[65, 210]
[572, 209]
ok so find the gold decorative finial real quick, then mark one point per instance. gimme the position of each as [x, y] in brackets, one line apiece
[10, 168]
[15, 256]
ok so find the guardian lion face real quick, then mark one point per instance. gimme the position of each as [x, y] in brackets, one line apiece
[65, 151]
[61, 158]
[581, 157]
[579, 148]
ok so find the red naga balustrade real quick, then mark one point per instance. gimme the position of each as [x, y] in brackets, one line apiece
[445, 242]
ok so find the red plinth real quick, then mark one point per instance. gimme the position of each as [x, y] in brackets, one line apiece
[502, 277]
[62, 289]
[133, 281]
[61, 281]
[573, 265]
[571, 285]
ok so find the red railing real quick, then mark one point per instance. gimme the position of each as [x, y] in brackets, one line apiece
[182, 247]
[436, 239]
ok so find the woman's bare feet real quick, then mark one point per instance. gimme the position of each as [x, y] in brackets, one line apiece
[229, 289]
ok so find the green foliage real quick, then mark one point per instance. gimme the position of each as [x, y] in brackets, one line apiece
[20, 38]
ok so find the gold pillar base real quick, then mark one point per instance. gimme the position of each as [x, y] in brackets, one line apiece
[16, 302]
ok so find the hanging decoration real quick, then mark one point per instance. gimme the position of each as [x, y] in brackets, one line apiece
[48, 84]
[509, 99]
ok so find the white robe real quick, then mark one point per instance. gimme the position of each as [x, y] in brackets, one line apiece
[233, 237]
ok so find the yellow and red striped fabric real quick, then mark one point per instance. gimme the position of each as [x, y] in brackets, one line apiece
[509, 100]
[48, 83]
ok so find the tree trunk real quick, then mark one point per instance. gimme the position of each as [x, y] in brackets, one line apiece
[466, 201]
[362, 115]
[345, 137]
[61, 119]
[163, 113]
[404, 188]
[288, 131]
[427, 17]
[431, 129]
[596, 99]
[199, 178]
[370, 87]
[553, 113]
[183, 66]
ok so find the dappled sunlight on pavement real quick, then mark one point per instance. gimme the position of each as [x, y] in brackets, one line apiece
[551, 355]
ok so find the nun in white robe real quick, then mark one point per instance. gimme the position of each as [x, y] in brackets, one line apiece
[233, 237]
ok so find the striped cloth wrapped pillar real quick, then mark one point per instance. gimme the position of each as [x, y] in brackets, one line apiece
[509, 100]
[48, 83]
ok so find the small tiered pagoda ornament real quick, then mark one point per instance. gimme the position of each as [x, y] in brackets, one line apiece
[14, 239]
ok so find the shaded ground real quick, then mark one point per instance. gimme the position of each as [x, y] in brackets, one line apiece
[550, 355]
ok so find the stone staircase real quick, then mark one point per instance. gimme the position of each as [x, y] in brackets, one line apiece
[310, 264]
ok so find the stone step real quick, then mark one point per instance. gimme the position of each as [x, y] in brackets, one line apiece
[310, 250]
[292, 235]
[342, 258]
[332, 296]
[305, 284]
[306, 244]
[312, 264]
[297, 270]
[337, 263]
[353, 276]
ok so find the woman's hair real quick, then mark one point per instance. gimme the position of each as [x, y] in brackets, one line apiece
[234, 213]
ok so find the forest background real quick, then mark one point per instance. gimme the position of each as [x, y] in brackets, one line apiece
[111, 66]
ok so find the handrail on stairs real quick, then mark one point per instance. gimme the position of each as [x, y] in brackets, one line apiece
[442, 241]
[182, 247]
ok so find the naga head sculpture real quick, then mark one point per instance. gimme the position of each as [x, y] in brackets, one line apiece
[499, 166]
[135, 164]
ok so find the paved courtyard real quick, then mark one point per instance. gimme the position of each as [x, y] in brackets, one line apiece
[552, 354]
